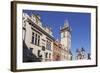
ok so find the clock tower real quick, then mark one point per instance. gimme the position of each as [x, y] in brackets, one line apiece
[66, 36]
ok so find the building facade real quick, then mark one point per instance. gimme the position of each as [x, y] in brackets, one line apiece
[37, 38]
[57, 48]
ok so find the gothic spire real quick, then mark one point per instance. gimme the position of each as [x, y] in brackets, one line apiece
[66, 23]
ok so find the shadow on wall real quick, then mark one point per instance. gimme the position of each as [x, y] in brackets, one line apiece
[28, 56]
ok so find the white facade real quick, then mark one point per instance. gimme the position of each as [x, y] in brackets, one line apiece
[36, 37]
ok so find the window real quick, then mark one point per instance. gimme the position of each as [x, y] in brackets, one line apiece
[49, 55]
[33, 38]
[43, 48]
[48, 45]
[46, 55]
[38, 40]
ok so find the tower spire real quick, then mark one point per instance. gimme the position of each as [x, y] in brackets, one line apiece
[66, 23]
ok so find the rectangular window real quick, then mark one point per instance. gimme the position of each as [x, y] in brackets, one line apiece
[38, 40]
[48, 45]
[33, 38]
[46, 55]
[49, 55]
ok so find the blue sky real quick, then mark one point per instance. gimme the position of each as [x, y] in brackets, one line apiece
[79, 22]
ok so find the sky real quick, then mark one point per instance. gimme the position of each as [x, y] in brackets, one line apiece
[79, 22]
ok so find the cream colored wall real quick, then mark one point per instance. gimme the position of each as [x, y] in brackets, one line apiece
[28, 38]
[49, 51]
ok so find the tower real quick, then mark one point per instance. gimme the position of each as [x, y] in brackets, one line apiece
[66, 36]
[81, 54]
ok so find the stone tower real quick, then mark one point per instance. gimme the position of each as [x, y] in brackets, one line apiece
[66, 36]
[66, 40]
